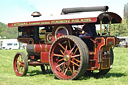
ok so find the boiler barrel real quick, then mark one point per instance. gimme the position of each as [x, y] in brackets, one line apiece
[37, 48]
[84, 9]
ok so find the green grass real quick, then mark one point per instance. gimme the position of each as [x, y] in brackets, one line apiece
[116, 76]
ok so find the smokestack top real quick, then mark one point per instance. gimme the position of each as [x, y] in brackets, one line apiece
[36, 14]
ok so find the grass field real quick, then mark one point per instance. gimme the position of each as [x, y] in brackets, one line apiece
[116, 76]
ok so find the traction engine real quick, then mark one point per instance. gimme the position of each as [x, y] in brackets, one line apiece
[69, 47]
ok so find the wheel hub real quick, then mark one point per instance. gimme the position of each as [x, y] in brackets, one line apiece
[66, 58]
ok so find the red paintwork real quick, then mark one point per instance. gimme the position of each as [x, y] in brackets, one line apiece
[41, 48]
[54, 22]
[110, 41]
[32, 57]
[117, 40]
[45, 57]
[100, 42]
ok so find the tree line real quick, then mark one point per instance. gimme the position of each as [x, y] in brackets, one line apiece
[120, 29]
[8, 33]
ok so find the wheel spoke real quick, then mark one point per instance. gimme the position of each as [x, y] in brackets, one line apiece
[18, 66]
[77, 60]
[21, 69]
[69, 44]
[18, 60]
[72, 48]
[62, 52]
[66, 47]
[75, 63]
[66, 71]
[59, 65]
[61, 46]
[75, 51]
[73, 68]
[70, 69]
[20, 57]
[75, 56]
[60, 60]
[22, 64]
[64, 67]
[58, 55]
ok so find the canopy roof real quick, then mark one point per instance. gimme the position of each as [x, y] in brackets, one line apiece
[105, 17]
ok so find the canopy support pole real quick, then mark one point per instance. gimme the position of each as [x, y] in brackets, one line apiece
[100, 28]
[109, 28]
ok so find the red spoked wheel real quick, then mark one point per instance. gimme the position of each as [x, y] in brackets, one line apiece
[20, 64]
[68, 57]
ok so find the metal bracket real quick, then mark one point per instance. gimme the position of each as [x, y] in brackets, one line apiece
[100, 56]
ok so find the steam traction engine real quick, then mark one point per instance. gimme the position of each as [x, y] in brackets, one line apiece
[68, 49]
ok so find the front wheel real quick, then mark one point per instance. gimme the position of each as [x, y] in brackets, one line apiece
[20, 64]
[68, 57]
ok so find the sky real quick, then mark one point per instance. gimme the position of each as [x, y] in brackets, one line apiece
[13, 10]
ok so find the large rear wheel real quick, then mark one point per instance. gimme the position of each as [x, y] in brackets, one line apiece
[68, 57]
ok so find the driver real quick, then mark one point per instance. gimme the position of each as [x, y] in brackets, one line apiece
[85, 32]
